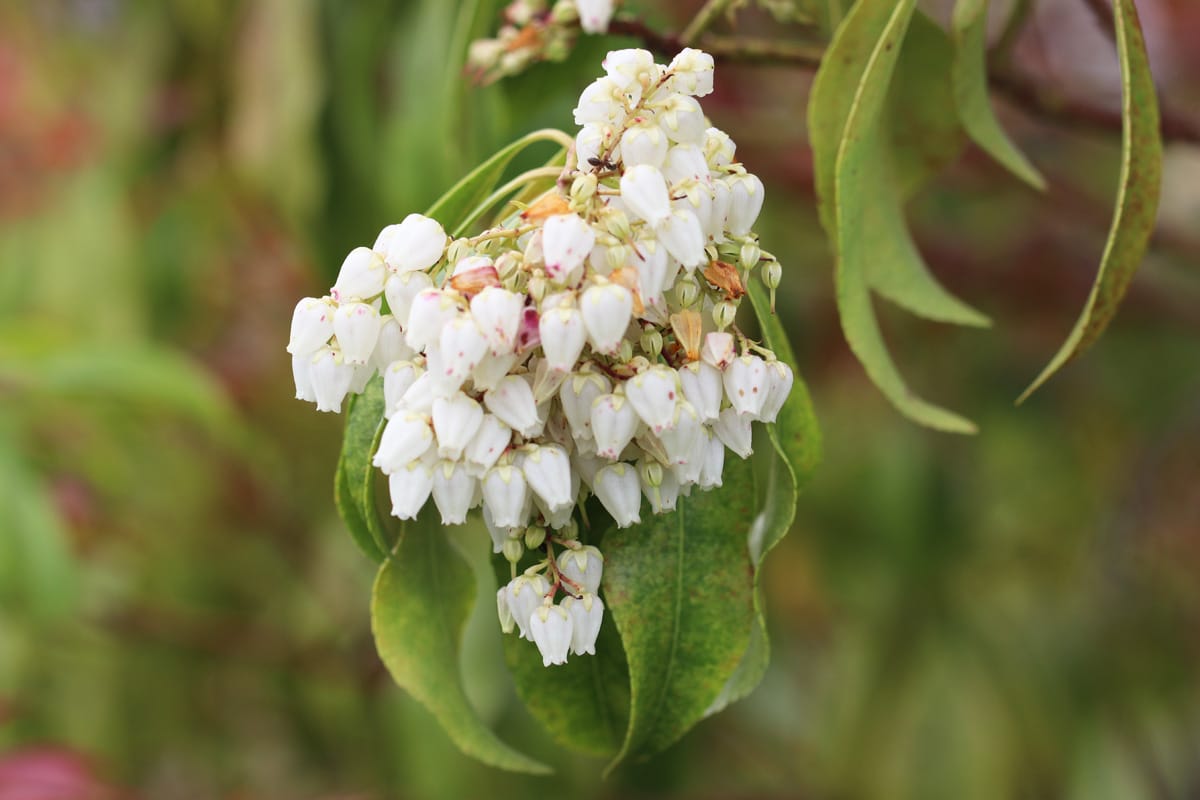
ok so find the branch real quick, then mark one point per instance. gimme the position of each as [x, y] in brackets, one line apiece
[1020, 91]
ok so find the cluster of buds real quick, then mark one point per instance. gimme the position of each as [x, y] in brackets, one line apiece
[584, 347]
[536, 30]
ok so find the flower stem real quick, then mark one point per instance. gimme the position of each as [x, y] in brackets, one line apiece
[703, 20]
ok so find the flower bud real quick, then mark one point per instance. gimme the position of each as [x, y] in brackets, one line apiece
[513, 550]
[772, 275]
[312, 325]
[651, 342]
[504, 611]
[593, 18]
[687, 291]
[583, 189]
[625, 352]
[535, 537]
[361, 277]
[651, 473]
[723, 314]
[663, 496]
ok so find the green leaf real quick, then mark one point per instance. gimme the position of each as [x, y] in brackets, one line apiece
[861, 199]
[354, 481]
[419, 609]
[680, 590]
[455, 206]
[971, 92]
[1137, 194]
[780, 471]
[584, 704]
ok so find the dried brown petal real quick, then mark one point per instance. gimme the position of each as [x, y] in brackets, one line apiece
[725, 277]
[689, 330]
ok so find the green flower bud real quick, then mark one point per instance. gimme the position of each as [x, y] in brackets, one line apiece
[537, 285]
[652, 342]
[457, 251]
[652, 473]
[772, 274]
[723, 314]
[750, 255]
[513, 550]
[564, 13]
[687, 290]
[626, 351]
[534, 537]
[583, 188]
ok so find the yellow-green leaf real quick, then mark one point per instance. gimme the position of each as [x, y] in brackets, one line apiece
[1137, 193]
[423, 596]
[354, 481]
[861, 199]
[971, 92]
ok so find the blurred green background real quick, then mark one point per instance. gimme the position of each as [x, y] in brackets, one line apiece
[182, 616]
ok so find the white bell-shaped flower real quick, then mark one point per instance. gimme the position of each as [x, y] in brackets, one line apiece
[550, 628]
[506, 495]
[489, 443]
[397, 378]
[362, 376]
[644, 193]
[429, 312]
[718, 350]
[719, 148]
[682, 119]
[405, 438]
[703, 388]
[734, 430]
[302, 376]
[745, 382]
[619, 491]
[512, 402]
[401, 289]
[594, 15]
[312, 325]
[362, 276]
[439, 379]
[409, 487]
[503, 611]
[745, 204]
[453, 492]
[548, 471]
[566, 242]
[462, 345]
[714, 462]
[664, 497]
[602, 103]
[594, 139]
[577, 394]
[491, 370]
[779, 386]
[683, 237]
[419, 397]
[718, 214]
[390, 346]
[644, 143]
[630, 66]
[525, 593]
[587, 615]
[654, 395]
[546, 383]
[691, 72]
[498, 313]
[330, 377]
[684, 439]
[563, 337]
[606, 310]
[656, 273]
[583, 566]
[614, 424]
[586, 464]
[455, 421]
[685, 162]
[356, 326]
[416, 244]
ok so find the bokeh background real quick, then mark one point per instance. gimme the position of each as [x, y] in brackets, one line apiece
[182, 616]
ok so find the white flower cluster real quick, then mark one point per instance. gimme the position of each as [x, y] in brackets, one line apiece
[536, 30]
[583, 347]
